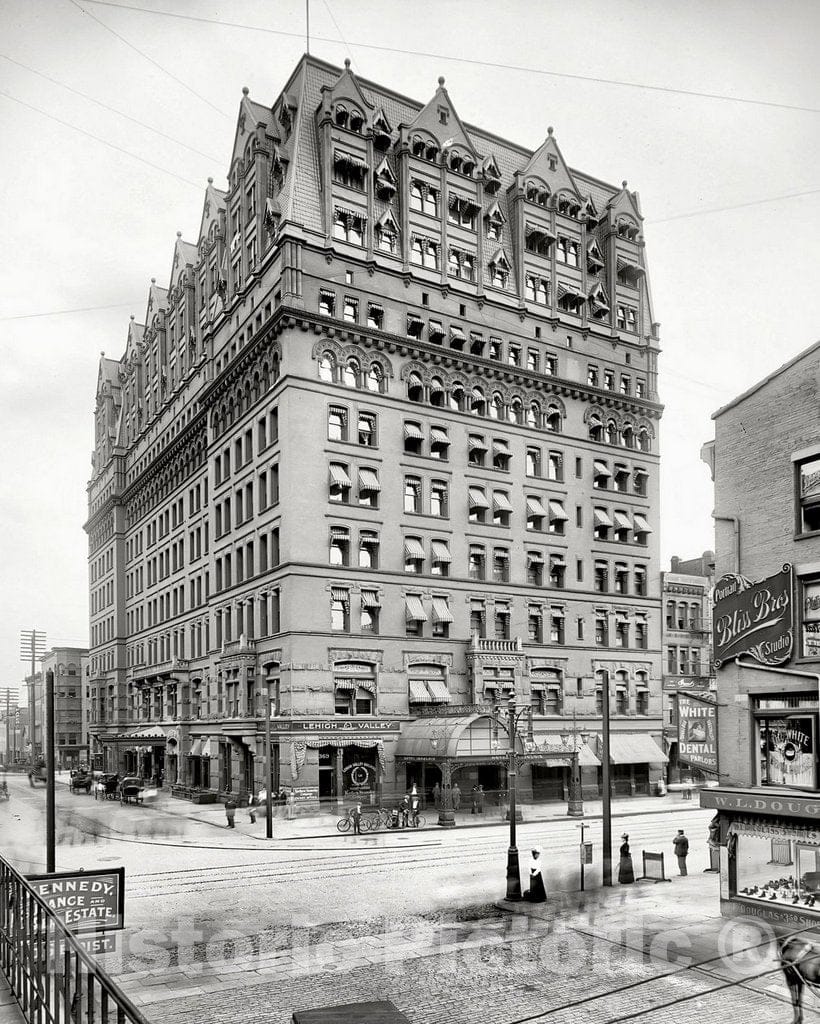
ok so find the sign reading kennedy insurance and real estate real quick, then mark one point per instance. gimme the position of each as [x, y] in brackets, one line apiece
[697, 732]
[85, 901]
[753, 618]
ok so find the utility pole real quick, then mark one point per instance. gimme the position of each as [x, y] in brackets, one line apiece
[48, 743]
[32, 647]
[607, 808]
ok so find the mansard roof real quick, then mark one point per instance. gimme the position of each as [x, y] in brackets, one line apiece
[626, 202]
[251, 115]
[346, 87]
[548, 164]
[440, 118]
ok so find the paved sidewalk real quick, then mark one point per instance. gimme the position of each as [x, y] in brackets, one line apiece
[10, 1012]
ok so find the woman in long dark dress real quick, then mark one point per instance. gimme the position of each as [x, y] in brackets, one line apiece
[626, 875]
[536, 892]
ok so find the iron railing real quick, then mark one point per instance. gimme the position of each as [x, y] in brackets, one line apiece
[52, 978]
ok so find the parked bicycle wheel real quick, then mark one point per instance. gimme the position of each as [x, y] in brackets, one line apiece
[419, 821]
[343, 824]
[367, 823]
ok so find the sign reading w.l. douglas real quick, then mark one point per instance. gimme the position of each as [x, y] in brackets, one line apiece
[753, 618]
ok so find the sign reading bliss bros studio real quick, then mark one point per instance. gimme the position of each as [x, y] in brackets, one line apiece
[753, 618]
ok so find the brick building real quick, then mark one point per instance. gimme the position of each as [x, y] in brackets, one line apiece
[687, 646]
[385, 447]
[765, 462]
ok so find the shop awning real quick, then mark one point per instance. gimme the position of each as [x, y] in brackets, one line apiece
[557, 511]
[441, 553]
[464, 738]
[477, 498]
[414, 609]
[338, 475]
[441, 612]
[419, 694]
[601, 518]
[641, 525]
[535, 508]
[413, 548]
[368, 481]
[601, 468]
[413, 430]
[634, 748]
[586, 755]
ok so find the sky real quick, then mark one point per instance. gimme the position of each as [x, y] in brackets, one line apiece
[94, 196]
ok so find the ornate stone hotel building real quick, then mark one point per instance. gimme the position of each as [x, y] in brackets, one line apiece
[386, 448]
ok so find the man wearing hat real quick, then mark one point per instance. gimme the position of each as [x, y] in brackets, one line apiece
[536, 892]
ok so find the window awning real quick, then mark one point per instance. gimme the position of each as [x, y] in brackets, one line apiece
[347, 685]
[196, 747]
[441, 612]
[476, 337]
[624, 264]
[413, 430]
[634, 748]
[456, 333]
[535, 558]
[557, 560]
[436, 329]
[535, 508]
[538, 231]
[438, 435]
[419, 694]
[338, 475]
[601, 468]
[567, 291]
[501, 555]
[375, 307]
[476, 443]
[500, 446]
[414, 609]
[557, 511]
[622, 520]
[343, 159]
[368, 481]
[601, 518]
[339, 533]
[641, 525]
[413, 548]
[441, 553]
[414, 321]
[501, 502]
[339, 594]
[640, 472]
[477, 498]
[370, 599]
[557, 613]
[438, 691]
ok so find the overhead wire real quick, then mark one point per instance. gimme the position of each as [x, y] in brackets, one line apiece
[97, 138]
[734, 206]
[461, 60]
[150, 60]
[65, 312]
[106, 106]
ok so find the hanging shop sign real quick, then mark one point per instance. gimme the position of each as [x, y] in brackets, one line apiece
[753, 618]
[697, 732]
[85, 901]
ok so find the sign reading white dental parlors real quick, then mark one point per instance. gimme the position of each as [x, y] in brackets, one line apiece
[697, 732]
[85, 901]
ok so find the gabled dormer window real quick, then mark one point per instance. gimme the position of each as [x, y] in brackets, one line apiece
[385, 181]
[595, 259]
[349, 170]
[499, 267]
[381, 130]
[568, 205]
[387, 233]
[492, 175]
[537, 192]
[495, 222]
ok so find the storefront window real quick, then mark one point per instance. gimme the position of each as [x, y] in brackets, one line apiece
[776, 864]
[810, 607]
[786, 747]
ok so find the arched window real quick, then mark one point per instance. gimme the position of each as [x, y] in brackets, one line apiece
[552, 420]
[628, 437]
[341, 115]
[415, 388]
[611, 432]
[350, 377]
[596, 429]
[478, 403]
[438, 396]
[516, 411]
[496, 407]
[431, 153]
[375, 378]
[644, 441]
[356, 121]
[457, 397]
[418, 147]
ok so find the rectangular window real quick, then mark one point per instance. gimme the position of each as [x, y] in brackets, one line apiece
[808, 493]
[375, 315]
[351, 310]
[367, 429]
[327, 303]
[337, 423]
[438, 498]
[412, 494]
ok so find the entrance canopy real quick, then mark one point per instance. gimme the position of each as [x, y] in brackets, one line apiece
[143, 736]
[634, 748]
[463, 738]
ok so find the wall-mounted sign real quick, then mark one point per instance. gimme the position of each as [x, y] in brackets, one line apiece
[697, 732]
[338, 725]
[85, 901]
[753, 618]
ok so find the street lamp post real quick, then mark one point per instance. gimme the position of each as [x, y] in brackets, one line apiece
[268, 766]
[446, 814]
[575, 804]
[513, 872]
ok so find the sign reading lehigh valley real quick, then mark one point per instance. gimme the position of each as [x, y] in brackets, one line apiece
[343, 725]
[85, 901]
[753, 618]
[697, 732]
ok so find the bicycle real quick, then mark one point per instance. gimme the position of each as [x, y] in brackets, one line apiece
[417, 821]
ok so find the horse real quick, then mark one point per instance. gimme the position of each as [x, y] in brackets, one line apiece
[800, 961]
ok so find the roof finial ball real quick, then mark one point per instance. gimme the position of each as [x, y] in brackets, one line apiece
[153, 280]
[550, 130]
[210, 181]
[624, 183]
[179, 234]
[132, 317]
[347, 63]
[245, 90]
[441, 80]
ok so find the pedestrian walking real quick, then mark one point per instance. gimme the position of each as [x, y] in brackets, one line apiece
[291, 804]
[436, 795]
[480, 799]
[230, 811]
[681, 845]
[356, 815]
[474, 795]
[536, 892]
[404, 809]
[456, 797]
[626, 873]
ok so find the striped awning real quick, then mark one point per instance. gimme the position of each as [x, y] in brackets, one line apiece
[348, 685]
[594, 256]
[414, 321]
[624, 264]
[601, 518]
[535, 558]
[419, 694]
[567, 291]
[436, 329]
[438, 691]
[441, 553]
[339, 594]
[535, 508]
[342, 159]
[557, 511]
[538, 231]
[370, 599]
[622, 520]
[641, 525]
[557, 560]
[456, 333]
[601, 468]
[413, 548]
[477, 337]
[413, 430]
[438, 435]
[339, 533]
[477, 498]
[338, 475]
[414, 609]
[476, 443]
[640, 472]
[501, 503]
[368, 481]
[197, 743]
[441, 611]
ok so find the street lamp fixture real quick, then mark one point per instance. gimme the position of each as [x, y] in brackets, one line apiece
[446, 816]
[514, 716]
[575, 804]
